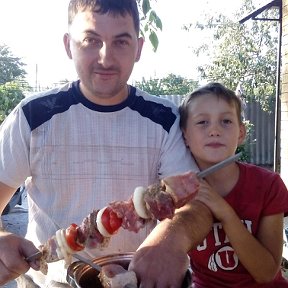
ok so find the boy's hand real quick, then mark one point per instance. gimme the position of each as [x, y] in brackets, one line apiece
[216, 203]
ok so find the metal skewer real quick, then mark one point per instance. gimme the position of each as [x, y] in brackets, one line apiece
[38, 255]
[34, 256]
[204, 173]
[87, 261]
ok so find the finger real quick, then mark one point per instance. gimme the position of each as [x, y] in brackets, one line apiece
[27, 249]
[12, 266]
[35, 265]
[158, 284]
[6, 275]
[146, 284]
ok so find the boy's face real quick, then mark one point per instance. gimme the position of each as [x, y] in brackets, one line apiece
[213, 131]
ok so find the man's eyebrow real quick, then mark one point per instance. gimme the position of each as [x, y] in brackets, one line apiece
[121, 35]
[91, 32]
[124, 35]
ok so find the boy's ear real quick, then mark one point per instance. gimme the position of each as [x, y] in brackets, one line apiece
[242, 134]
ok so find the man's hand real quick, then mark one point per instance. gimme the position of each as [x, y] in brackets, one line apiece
[161, 261]
[159, 266]
[13, 250]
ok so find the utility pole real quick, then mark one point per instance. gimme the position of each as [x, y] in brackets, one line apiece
[36, 77]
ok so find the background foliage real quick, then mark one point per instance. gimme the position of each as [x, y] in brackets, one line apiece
[169, 85]
[244, 54]
[12, 83]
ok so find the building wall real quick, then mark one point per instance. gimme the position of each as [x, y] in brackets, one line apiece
[284, 96]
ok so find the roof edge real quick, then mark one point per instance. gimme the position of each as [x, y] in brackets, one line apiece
[256, 12]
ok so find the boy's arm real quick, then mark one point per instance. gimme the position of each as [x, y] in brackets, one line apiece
[266, 247]
[167, 246]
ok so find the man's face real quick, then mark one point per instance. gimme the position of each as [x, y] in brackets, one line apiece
[104, 49]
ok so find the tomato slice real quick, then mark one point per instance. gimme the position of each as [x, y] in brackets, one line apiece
[111, 221]
[71, 238]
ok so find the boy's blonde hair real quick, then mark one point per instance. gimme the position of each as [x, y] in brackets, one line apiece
[213, 88]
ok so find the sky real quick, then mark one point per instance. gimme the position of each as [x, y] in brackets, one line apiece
[33, 29]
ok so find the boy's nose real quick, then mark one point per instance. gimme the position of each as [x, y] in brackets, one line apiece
[214, 130]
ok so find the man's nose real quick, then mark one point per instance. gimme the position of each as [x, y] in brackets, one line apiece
[105, 55]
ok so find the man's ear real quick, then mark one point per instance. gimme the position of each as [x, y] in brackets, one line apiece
[184, 137]
[66, 40]
[242, 134]
[140, 46]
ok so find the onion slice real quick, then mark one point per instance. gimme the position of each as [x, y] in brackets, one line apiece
[62, 248]
[139, 203]
[100, 226]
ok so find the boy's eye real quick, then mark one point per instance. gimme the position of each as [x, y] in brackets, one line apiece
[202, 122]
[227, 121]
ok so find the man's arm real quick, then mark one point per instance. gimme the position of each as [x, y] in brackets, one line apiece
[167, 246]
[13, 248]
[6, 193]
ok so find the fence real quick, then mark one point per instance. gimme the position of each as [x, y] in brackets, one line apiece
[260, 144]
[262, 137]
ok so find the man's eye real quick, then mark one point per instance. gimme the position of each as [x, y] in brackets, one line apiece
[121, 43]
[92, 42]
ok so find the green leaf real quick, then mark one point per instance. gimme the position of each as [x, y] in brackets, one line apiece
[154, 40]
[149, 21]
[153, 17]
[146, 6]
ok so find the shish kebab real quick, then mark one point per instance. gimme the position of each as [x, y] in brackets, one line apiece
[157, 201]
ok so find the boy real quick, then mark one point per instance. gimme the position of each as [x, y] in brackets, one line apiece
[244, 247]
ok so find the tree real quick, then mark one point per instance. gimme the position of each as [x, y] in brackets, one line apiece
[12, 83]
[242, 53]
[170, 85]
[11, 68]
[11, 94]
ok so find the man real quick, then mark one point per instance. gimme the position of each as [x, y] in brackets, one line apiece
[92, 142]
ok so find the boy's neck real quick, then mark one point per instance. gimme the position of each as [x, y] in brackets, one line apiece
[224, 180]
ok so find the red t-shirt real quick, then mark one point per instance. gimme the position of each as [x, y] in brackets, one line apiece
[258, 192]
